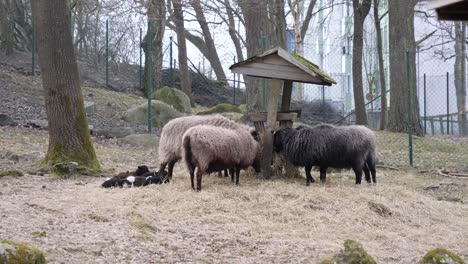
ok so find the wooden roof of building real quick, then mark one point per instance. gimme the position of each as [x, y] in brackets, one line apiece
[450, 9]
[279, 64]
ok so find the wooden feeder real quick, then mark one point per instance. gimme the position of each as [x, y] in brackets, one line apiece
[450, 9]
[283, 68]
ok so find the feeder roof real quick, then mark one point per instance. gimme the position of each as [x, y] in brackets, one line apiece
[450, 9]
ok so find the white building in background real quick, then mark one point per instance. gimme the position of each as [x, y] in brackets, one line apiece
[328, 43]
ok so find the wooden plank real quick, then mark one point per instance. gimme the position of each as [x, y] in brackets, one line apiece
[275, 67]
[270, 125]
[262, 117]
[299, 77]
[286, 98]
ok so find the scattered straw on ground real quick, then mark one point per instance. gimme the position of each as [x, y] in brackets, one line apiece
[276, 221]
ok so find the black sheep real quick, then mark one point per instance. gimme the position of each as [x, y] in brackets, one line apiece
[329, 146]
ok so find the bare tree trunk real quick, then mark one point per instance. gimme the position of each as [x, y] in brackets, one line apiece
[7, 27]
[157, 18]
[383, 94]
[360, 13]
[69, 138]
[460, 77]
[257, 26]
[212, 53]
[232, 30]
[185, 82]
[401, 37]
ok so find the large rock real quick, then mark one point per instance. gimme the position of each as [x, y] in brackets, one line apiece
[161, 114]
[221, 108]
[66, 168]
[353, 253]
[175, 98]
[142, 140]
[441, 256]
[5, 120]
[113, 132]
[13, 252]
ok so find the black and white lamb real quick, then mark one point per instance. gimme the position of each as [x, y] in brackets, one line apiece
[326, 146]
[209, 149]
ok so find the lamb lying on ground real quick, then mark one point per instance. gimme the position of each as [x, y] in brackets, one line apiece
[329, 146]
[141, 177]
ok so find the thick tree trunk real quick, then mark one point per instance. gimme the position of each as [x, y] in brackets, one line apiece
[460, 79]
[69, 138]
[257, 27]
[360, 13]
[185, 82]
[401, 37]
[157, 18]
[383, 94]
[212, 53]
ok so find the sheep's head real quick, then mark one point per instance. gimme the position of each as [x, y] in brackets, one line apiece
[277, 140]
[141, 170]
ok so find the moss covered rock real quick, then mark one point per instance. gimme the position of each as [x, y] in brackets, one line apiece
[441, 256]
[17, 253]
[353, 253]
[221, 108]
[175, 98]
[161, 114]
[243, 108]
[142, 140]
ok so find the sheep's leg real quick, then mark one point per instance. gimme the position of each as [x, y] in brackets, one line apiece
[220, 174]
[323, 174]
[162, 166]
[231, 171]
[366, 172]
[199, 179]
[237, 175]
[192, 175]
[226, 174]
[170, 169]
[373, 172]
[358, 172]
[308, 175]
[232, 174]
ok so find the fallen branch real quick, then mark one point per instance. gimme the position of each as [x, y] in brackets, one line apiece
[388, 167]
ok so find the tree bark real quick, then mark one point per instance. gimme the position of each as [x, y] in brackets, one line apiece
[232, 30]
[257, 27]
[460, 79]
[69, 138]
[212, 53]
[157, 18]
[360, 12]
[383, 94]
[401, 37]
[185, 82]
[7, 27]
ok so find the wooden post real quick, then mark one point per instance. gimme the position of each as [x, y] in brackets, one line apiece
[432, 126]
[286, 99]
[270, 125]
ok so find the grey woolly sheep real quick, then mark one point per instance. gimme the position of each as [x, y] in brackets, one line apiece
[329, 146]
[170, 142]
[209, 149]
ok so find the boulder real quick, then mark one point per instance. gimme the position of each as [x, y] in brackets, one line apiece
[66, 168]
[221, 108]
[13, 252]
[174, 97]
[353, 253]
[5, 120]
[161, 114]
[142, 140]
[441, 256]
[113, 132]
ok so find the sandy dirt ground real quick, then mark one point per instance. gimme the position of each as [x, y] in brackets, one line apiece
[261, 221]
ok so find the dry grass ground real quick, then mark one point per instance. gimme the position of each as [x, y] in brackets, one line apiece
[276, 221]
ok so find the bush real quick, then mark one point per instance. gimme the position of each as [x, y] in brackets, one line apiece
[221, 108]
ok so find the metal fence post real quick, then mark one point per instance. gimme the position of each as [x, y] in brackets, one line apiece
[107, 52]
[171, 71]
[264, 81]
[448, 106]
[33, 49]
[410, 112]
[234, 87]
[149, 78]
[425, 115]
[140, 72]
